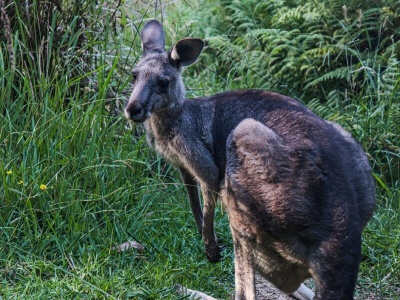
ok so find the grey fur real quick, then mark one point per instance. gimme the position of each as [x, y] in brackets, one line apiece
[298, 190]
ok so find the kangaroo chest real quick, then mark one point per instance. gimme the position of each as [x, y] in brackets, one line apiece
[183, 146]
[166, 142]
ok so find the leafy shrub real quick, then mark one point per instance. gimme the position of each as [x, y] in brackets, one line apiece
[303, 48]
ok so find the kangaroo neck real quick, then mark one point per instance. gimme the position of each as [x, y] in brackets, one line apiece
[161, 126]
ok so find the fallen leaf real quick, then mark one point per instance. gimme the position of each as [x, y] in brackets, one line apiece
[184, 291]
[128, 245]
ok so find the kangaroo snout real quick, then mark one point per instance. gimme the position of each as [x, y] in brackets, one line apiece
[134, 111]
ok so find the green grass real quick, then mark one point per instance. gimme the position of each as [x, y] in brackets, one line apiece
[71, 253]
[61, 127]
[76, 181]
[103, 188]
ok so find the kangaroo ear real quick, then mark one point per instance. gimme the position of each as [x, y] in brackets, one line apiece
[185, 52]
[153, 37]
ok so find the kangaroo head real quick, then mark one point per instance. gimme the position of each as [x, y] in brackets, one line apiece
[158, 84]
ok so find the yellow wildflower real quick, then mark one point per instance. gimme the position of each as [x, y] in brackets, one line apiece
[9, 172]
[21, 182]
[43, 187]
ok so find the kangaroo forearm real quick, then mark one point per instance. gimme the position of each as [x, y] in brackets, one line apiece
[194, 198]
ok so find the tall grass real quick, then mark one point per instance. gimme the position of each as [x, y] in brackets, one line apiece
[76, 181]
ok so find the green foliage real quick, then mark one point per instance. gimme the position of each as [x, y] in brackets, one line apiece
[75, 180]
[302, 48]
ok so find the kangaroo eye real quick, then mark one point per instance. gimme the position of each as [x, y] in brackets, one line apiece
[134, 76]
[163, 83]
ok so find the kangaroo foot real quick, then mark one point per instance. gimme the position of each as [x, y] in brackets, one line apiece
[214, 253]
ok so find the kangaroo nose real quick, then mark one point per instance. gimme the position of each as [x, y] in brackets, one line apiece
[135, 112]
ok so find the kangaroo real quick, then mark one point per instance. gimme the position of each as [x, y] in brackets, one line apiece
[298, 190]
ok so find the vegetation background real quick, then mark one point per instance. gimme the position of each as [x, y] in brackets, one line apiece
[77, 180]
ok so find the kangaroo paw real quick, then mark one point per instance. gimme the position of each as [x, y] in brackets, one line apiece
[214, 253]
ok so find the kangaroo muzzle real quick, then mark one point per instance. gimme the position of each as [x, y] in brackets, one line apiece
[134, 111]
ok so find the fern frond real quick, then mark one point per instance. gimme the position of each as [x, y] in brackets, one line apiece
[339, 73]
